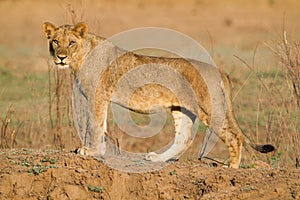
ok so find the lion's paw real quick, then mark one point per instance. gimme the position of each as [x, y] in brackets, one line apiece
[85, 151]
[154, 157]
[82, 151]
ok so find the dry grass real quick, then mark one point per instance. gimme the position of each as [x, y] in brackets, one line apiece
[277, 107]
[60, 104]
[60, 91]
[289, 55]
[9, 132]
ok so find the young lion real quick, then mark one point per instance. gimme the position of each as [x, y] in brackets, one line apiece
[70, 45]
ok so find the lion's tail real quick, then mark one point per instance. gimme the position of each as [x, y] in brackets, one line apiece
[263, 148]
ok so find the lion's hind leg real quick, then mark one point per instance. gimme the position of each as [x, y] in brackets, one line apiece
[183, 138]
[234, 142]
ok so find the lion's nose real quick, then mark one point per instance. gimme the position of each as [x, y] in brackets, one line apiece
[61, 57]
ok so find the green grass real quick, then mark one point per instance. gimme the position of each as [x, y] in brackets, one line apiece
[22, 91]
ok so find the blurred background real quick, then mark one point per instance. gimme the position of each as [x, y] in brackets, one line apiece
[256, 42]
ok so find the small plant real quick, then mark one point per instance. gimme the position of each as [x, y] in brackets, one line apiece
[294, 194]
[139, 162]
[275, 159]
[173, 173]
[97, 189]
[200, 181]
[248, 189]
[37, 169]
[248, 166]
[24, 163]
[26, 151]
[50, 160]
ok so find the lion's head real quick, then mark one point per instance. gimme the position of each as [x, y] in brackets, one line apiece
[66, 43]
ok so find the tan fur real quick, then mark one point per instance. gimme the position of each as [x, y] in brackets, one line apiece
[69, 45]
[73, 44]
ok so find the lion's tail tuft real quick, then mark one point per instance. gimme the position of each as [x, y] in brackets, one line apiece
[263, 148]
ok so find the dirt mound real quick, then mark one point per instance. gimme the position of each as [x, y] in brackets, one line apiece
[30, 174]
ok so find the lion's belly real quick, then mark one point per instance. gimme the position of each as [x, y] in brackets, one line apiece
[151, 97]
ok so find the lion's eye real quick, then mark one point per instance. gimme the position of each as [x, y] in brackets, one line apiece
[55, 42]
[71, 43]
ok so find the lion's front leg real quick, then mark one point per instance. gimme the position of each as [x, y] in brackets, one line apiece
[96, 144]
[183, 139]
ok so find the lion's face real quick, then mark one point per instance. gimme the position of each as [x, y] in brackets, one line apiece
[66, 43]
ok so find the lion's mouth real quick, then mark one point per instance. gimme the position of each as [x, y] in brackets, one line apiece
[62, 65]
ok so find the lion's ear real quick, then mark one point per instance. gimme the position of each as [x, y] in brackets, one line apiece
[48, 29]
[81, 29]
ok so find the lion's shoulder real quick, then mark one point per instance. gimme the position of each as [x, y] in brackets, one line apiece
[92, 41]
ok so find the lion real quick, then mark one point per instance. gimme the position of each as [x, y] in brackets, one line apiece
[70, 45]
